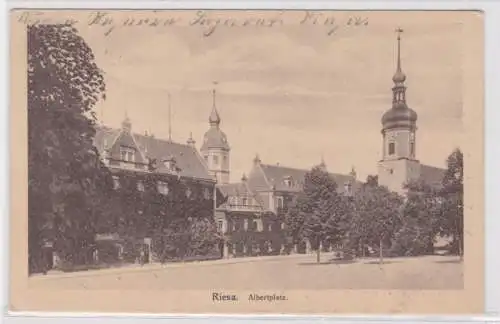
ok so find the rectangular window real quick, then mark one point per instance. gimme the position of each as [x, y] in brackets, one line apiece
[206, 193]
[116, 182]
[162, 187]
[206, 158]
[245, 201]
[412, 148]
[140, 185]
[392, 148]
[220, 225]
[216, 159]
[280, 202]
[127, 154]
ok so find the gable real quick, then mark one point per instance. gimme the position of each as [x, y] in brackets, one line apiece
[187, 158]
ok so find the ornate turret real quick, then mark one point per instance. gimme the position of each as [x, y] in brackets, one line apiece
[215, 147]
[400, 115]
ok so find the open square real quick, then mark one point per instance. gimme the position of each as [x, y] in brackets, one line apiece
[280, 273]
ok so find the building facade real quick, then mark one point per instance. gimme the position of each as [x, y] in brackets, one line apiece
[252, 219]
[153, 165]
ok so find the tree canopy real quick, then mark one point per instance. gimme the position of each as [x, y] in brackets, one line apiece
[66, 177]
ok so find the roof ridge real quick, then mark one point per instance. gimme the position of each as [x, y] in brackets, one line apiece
[284, 167]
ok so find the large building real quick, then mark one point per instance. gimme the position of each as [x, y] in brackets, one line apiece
[155, 162]
[253, 215]
[399, 164]
[250, 213]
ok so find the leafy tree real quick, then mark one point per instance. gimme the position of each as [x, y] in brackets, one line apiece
[376, 216]
[421, 213]
[452, 221]
[66, 176]
[371, 181]
[323, 210]
[294, 219]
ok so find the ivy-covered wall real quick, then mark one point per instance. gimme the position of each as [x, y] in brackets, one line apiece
[177, 213]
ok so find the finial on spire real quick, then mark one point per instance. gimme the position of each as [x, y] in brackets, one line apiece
[353, 172]
[126, 123]
[256, 160]
[214, 93]
[214, 116]
[399, 76]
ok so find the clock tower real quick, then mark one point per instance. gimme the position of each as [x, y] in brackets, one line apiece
[398, 165]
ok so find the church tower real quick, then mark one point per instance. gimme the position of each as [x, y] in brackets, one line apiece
[215, 148]
[399, 125]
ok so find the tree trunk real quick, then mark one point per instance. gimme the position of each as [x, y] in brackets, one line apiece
[318, 254]
[381, 253]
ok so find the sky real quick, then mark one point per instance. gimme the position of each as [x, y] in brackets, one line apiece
[292, 93]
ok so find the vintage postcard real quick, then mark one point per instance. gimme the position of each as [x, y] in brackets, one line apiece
[238, 162]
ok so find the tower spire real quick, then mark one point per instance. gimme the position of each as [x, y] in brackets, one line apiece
[214, 118]
[399, 31]
[399, 89]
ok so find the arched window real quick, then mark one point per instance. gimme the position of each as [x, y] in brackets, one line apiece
[392, 148]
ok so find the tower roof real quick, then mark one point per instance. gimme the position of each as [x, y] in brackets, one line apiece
[400, 115]
[214, 118]
[215, 138]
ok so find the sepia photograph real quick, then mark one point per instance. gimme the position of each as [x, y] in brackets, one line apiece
[247, 161]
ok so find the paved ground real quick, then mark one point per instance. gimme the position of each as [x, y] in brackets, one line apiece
[280, 272]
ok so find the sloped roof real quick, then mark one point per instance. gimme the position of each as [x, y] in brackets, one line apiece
[276, 176]
[187, 157]
[239, 189]
[431, 175]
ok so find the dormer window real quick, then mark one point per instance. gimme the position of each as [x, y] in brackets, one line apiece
[216, 159]
[127, 154]
[170, 164]
[244, 201]
[162, 187]
[288, 181]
